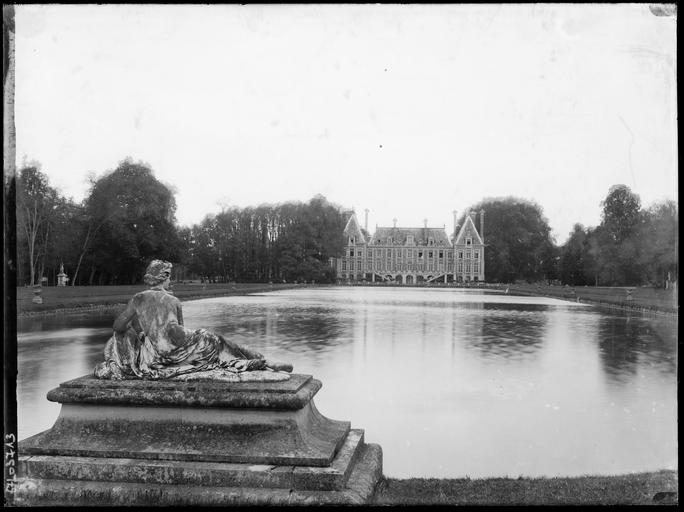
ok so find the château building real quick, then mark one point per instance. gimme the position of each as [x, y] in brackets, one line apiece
[412, 255]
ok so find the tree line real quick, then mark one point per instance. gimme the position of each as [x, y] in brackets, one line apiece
[632, 246]
[128, 218]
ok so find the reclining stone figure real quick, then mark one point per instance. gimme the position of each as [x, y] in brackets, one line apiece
[150, 342]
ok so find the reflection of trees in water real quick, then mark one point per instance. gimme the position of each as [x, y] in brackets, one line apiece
[625, 342]
[509, 331]
[297, 329]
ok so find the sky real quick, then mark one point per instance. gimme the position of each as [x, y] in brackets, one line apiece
[409, 111]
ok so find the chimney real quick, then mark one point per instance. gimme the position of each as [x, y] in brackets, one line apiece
[394, 220]
[482, 224]
[365, 224]
[425, 223]
[455, 223]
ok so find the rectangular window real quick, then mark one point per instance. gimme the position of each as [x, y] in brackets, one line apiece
[360, 255]
[450, 255]
[441, 254]
[344, 264]
[420, 254]
[476, 267]
[468, 255]
[460, 255]
[409, 239]
[460, 266]
[467, 267]
[410, 253]
[351, 253]
[429, 254]
[477, 254]
[351, 265]
[370, 253]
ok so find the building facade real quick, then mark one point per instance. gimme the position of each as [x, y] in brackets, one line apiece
[413, 255]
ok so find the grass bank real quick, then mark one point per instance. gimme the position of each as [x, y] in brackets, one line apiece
[643, 299]
[77, 298]
[634, 489]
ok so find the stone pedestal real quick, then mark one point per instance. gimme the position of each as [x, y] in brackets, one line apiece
[195, 443]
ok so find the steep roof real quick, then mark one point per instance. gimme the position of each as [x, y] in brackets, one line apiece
[421, 236]
[468, 230]
[354, 229]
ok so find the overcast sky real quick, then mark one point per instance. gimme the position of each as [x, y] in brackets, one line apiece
[411, 111]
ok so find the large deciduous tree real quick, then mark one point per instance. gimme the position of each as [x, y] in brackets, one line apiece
[621, 213]
[518, 243]
[131, 219]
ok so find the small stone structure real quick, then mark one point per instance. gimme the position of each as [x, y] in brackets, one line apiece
[62, 278]
[195, 442]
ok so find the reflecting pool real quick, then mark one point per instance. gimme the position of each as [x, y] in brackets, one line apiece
[449, 382]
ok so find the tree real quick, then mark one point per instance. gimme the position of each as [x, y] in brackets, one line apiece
[36, 202]
[620, 212]
[616, 245]
[658, 236]
[132, 217]
[518, 242]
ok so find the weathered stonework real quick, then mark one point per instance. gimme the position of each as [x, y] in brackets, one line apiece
[203, 443]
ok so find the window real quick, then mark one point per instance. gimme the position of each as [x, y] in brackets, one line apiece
[476, 254]
[409, 239]
[476, 267]
[467, 267]
[460, 266]
[351, 253]
[429, 254]
[352, 240]
[389, 240]
[344, 264]
[460, 255]
[431, 241]
[420, 254]
[441, 254]
[410, 253]
[360, 255]
[351, 265]
[469, 241]
[468, 254]
[450, 255]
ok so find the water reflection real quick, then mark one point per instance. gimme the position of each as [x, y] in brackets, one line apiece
[627, 343]
[509, 332]
[449, 382]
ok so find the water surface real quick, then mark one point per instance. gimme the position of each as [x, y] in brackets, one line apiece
[451, 383]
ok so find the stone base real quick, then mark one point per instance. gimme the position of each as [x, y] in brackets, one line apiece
[212, 444]
[358, 490]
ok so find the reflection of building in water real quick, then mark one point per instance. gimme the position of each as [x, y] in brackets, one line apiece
[412, 255]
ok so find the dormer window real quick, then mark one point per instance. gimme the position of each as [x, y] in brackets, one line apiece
[389, 240]
[469, 241]
[431, 241]
[352, 240]
[409, 239]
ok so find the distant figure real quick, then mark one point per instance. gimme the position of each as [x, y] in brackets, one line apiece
[150, 341]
